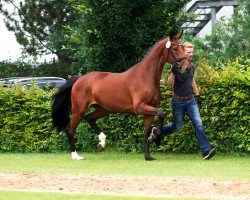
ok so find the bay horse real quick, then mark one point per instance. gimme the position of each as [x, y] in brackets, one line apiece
[136, 91]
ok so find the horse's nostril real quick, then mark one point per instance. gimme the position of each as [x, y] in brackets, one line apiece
[183, 70]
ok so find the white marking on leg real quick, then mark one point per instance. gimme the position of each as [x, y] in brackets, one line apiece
[102, 139]
[75, 156]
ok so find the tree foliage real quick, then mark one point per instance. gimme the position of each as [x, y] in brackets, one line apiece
[113, 35]
[229, 39]
[106, 35]
[38, 25]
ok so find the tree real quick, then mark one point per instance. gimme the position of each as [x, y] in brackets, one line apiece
[38, 25]
[229, 39]
[113, 35]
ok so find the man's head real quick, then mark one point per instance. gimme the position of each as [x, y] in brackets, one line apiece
[189, 50]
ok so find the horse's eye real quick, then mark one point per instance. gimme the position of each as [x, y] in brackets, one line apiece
[175, 49]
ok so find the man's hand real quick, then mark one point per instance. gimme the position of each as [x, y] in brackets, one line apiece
[198, 100]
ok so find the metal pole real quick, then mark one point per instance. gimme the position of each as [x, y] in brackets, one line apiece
[213, 16]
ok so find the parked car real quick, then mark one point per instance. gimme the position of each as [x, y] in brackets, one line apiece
[41, 82]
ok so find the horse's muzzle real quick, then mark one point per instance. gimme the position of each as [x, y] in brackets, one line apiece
[184, 69]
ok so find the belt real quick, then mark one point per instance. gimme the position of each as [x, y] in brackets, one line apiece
[182, 97]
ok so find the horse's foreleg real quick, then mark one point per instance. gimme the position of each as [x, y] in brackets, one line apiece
[74, 122]
[150, 111]
[157, 132]
[91, 119]
[147, 128]
[146, 109]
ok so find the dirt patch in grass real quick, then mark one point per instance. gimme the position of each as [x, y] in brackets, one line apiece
[126, 185]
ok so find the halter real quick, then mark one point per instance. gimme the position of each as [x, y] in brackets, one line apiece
[168, 46]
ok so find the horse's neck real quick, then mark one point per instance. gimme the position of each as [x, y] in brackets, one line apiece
[152, 66]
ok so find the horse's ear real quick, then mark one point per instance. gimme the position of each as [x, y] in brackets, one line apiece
[171, 35]
[179, 35]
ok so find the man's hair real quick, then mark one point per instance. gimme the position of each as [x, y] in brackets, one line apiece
[188, 45]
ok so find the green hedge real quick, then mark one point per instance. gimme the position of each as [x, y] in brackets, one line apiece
[225, 111]
[25, 122]
[22, 69]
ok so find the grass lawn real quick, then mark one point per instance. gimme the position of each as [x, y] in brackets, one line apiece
[221, 167]
[6, 195]
[108, 163]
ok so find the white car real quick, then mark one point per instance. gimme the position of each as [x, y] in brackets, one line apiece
[41, 82]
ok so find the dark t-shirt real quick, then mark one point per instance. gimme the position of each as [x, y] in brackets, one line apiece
[183, 85]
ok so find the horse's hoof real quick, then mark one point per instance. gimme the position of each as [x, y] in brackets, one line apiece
[100, 147]
[75, 156]
[152, 138]
[78, 158]
[149, 158]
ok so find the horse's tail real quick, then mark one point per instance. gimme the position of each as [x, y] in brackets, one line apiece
[62, 105]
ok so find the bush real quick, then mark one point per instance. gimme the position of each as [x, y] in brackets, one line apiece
[13, 69]
[25, 122]
[25, 118]
[225, 111]
[23, 69]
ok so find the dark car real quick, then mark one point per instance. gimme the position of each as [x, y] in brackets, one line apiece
[41, 82]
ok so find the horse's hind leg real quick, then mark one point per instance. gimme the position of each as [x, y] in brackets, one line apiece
[79, 107]
[91, 119]
[74, 122]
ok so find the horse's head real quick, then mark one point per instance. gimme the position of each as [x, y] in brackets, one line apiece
[175, 53]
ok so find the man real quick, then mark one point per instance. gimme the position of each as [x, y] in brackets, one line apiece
[183, 103]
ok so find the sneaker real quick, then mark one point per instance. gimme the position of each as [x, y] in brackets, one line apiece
[208, 154]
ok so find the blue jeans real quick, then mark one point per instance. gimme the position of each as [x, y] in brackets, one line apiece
[179, 108]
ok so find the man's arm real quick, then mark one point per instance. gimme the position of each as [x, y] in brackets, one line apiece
[196, 92]
[171, 79]
[195, 88]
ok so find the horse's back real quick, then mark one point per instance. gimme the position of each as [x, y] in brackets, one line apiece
[109, 90]
[98, 79]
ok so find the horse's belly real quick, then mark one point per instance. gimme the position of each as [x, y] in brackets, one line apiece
[113, 99]
[116, 104]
